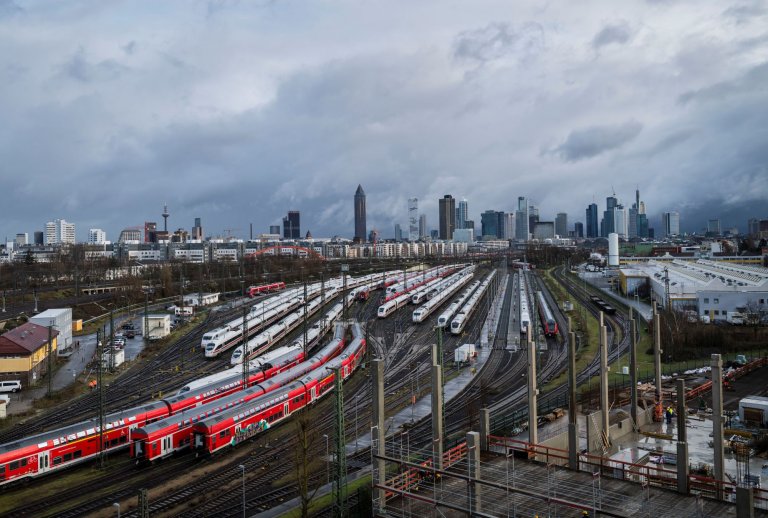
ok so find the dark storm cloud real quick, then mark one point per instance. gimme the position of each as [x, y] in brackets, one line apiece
[497, 40]
[243, 115]
[754, 81]
[613, 33]
[81, 69]
[744, 13]
[9, 8]
[595, 140]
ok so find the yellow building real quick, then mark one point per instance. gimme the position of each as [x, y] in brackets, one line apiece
[23, 351]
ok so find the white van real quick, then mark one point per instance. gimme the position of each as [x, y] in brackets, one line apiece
[10, 386]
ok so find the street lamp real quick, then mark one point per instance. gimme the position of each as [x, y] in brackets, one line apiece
[327, 461]
[242, 468]
[117, 506]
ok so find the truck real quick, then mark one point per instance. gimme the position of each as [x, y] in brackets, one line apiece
[464, 353]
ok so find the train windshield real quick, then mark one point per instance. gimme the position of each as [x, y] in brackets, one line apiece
[210, 346]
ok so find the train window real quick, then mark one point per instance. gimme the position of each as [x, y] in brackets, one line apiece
[77, 454]
[23, 462]
[2, 469]
[123, 439]
[223, 433]
[13, 466]
[56, 461]
[67, 457]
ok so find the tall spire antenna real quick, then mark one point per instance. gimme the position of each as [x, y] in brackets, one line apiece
[165, 217]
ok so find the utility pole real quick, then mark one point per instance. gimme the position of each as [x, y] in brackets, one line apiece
[50, 361]
[246, 361]
[344, 270]
[143, 504]
[145, 331]
[100, 381]
[340, 464]
[112, 340]
[306, 345]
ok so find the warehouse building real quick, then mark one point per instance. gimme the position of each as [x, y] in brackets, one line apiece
[61, 321]
[716, 290]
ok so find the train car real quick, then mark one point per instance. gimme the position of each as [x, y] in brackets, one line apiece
[363, 294]
[265, 288]
[391, 306]
[234, 426]
[525, 315]
[462, 317]
[174, 433]
[602, 305]
[545, 313]
[59, 449]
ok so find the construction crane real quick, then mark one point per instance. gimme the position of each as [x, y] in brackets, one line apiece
[228, 232]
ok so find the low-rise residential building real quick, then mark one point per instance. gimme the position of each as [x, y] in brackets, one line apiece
[23, 351]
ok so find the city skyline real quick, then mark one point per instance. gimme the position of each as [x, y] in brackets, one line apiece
[105, 122]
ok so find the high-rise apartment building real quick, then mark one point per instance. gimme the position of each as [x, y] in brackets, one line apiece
[671, 222]
[592, 226]
[561, 224]
[292, 225]
[360, 215]
[59, 231]
[521, 220]
[413, 219]
[96, 236]
[447, 216]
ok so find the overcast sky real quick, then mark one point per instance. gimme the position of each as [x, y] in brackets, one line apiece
[237, 112]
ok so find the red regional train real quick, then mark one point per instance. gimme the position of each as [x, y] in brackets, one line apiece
[166, 436]
[265, 288]
[547, 320]
[233, 426]
[58, 449]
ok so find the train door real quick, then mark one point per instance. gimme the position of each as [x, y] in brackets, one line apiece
[43, 464]
[312, 394]
[199, 441]
[286, 411]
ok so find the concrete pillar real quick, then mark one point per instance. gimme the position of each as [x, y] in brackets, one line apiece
[437, 415]
[745, 502]
[533, 391]
[633, 371]
[485, 428]
[717, 418]
[377, 366]
[473, 465]
[682, 444]
[573, 438]
[435, 360]
[605, 403]
[657, 352]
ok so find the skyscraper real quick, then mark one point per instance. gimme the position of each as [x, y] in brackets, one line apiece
[561, 224]
[632, 228]
[492, 224]
[447, 216]
[413, 219]
[462, 214]
[608, 226]
[423, 226]
[360, 216]
[509, 225]
[713, 227]
[521, 219]
[398, 232]
[671, 222]
[533, 217]
[197, 230]
[620, 221]
[292, 225]
[578, 229]
[592, 227]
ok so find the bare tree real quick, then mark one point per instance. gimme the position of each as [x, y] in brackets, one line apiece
[305, 445]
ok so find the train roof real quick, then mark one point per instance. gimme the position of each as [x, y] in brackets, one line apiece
[255, 405]
[82, 429]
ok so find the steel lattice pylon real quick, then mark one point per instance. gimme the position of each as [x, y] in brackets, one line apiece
[340, 455]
